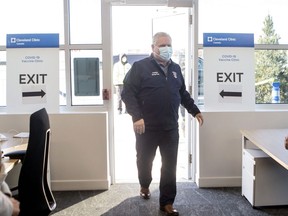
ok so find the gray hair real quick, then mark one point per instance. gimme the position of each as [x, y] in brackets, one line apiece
[158, 35]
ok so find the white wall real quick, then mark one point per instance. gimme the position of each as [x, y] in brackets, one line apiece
[79, 154]
[79, 149]
[219, 152]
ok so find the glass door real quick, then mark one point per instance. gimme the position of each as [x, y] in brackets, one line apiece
[133, 37]
[175, 21]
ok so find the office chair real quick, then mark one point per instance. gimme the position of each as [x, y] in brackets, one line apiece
[34, 192]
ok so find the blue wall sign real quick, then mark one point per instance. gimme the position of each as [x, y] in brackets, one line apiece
[32, 72]
[32, 40]
[228, 40]
[229, 74]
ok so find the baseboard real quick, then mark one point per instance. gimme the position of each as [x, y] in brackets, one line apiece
[219, 181]
[69, 185]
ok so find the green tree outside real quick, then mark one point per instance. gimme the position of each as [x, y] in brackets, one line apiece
[271, 66]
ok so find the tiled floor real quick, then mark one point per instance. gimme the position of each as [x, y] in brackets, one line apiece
[123, 200]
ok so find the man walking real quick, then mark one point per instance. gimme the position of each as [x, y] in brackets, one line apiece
[153, 90]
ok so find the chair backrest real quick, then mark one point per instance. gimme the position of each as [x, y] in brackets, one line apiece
[35, 194]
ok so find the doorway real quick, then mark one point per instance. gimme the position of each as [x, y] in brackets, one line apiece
[134, 37]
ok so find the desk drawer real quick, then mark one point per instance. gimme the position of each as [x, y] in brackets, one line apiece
[250, 158]
[248, 163]
[248, 184]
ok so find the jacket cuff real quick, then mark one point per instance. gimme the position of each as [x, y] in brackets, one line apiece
[194, 112]
[136, 118]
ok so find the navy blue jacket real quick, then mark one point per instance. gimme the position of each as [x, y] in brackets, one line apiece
[149, 94]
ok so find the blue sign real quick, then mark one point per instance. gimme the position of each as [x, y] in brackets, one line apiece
[228, 40]
[32, 40]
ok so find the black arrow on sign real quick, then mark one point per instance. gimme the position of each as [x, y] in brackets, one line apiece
[230, 94]
[34, 94]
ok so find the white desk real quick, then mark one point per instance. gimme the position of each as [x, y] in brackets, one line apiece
[12, 144]
[264, 167]
[12, 166]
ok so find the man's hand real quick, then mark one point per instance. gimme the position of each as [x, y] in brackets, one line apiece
[139, 126]
[200, 119]
[16, 207]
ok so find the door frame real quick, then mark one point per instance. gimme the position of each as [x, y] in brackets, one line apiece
[190, 125]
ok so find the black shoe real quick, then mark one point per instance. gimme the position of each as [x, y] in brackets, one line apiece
[145, 193]
[169, 210]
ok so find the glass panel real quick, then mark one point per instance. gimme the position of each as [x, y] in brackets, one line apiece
[31, 16]
[86, 76]
[2, 78]
[243, 16]
[136, 44]
[85, 22]
[125, 41]
[271, 67]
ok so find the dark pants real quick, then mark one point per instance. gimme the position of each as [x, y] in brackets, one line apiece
[119, 89]
[146, 146]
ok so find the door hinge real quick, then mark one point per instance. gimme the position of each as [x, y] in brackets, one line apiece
[191, 19]
[190, 89]
[190, 158]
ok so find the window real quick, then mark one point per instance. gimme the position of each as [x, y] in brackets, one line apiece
[243, 16]
[271, 68]
[85, 21]
[82, 26]
[267, 20]
[31, 16]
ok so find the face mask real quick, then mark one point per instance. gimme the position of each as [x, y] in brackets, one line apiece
[165, 52]
[124, 60]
